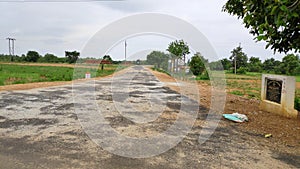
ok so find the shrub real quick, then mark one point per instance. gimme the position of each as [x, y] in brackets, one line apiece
[297, 103]
[242, 70]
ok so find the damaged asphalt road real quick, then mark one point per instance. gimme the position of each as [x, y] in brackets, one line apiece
[42, 128]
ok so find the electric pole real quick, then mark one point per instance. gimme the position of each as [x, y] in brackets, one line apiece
[11, 47]
[235, 64]
[235, 60]
[125, 51]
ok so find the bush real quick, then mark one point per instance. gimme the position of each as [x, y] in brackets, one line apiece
[297, 103]
[242, 70]
[160, 70]
[204, 76]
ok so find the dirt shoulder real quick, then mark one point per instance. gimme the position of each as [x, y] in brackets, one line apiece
[285, 131]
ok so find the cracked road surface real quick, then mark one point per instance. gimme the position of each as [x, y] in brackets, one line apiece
[46, 128]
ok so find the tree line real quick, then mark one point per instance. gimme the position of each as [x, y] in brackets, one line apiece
[239, 63]
[33, 56]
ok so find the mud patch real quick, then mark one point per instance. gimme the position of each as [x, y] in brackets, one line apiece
[75, 133]
[145, 84]
[29, 121]
[119, 121]
[56, 109]
[290, 159]
[174, 105]
[104, 97]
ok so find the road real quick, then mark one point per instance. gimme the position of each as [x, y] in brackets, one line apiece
[56, 127]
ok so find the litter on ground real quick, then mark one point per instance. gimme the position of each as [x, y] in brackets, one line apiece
[236, 117]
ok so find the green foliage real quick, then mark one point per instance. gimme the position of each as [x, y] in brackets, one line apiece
[255, 64]
[217, 65]
[240, 56]
[226, 64]
[271, 65]
[71, 57]
[107, 57]
[237, 92]
[178, 49]
[297, 103]
[203, 76]
[32, 56]
[16, 74]
[290, 64]
[242, 70]
[50, 58]
[158, 59]
[197, 65]
[160, 70]
[276, 22]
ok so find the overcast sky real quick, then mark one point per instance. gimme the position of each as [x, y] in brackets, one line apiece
[54, 27]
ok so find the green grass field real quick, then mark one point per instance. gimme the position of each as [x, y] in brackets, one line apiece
[247, 85]
[18, 74]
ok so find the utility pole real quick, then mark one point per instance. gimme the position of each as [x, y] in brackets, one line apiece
[235, 60]
[11, 47]
[125, 50]
[235, 64]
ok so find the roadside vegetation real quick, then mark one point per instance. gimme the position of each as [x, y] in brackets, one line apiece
[243, 74]
[20, 74]
[33, 67]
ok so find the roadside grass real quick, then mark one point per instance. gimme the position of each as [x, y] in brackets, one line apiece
[160, 70]
[248, 85]
[18, 74]
[297, 78]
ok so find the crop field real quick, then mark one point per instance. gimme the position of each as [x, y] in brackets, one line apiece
[19, 74]
[248, 85]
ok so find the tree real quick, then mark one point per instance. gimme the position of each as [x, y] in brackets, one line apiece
[49, 58]
[290, 64]
[197, 64]
[271, 65]
[158, 59]
[108, 58]
[179, 49]
[239, 58]
[32, 56]
[274, 21]
[226, 64]
[255, 64]
[71, 57]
